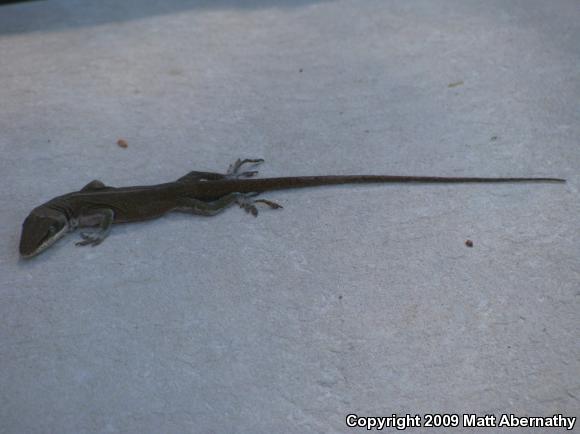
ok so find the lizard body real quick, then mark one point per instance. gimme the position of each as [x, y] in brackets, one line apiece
[201, 193]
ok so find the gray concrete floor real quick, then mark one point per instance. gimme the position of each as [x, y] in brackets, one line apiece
[357, 299]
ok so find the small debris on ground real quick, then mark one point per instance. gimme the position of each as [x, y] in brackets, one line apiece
[122, 143]
[493, 138]
[469, 243]
[455, 84]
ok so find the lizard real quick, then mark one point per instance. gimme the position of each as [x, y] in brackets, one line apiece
[199, 193]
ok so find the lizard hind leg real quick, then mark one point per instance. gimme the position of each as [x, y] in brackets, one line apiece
[199, 207]
[249, 205]
[234, 169]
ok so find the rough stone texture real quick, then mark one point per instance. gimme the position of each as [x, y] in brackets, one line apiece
[357, 299]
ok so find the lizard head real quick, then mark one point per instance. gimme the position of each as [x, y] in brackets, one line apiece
[41, 229]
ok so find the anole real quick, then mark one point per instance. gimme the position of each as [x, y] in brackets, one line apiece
[201, 193]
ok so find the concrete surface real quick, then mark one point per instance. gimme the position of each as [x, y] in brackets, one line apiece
[359, 299]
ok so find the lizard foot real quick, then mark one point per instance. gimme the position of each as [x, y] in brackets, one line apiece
[90, 239]
[234, 169]
[249, 205]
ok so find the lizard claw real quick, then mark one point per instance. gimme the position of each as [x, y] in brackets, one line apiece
[251, 209]
[271, 204]
[89, 239]
[248, 174]
[234, 169]
[247, 204]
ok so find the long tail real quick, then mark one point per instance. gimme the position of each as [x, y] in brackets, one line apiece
[267, 184]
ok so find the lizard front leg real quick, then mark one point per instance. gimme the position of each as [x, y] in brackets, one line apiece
[199, 207]
[104, 218]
